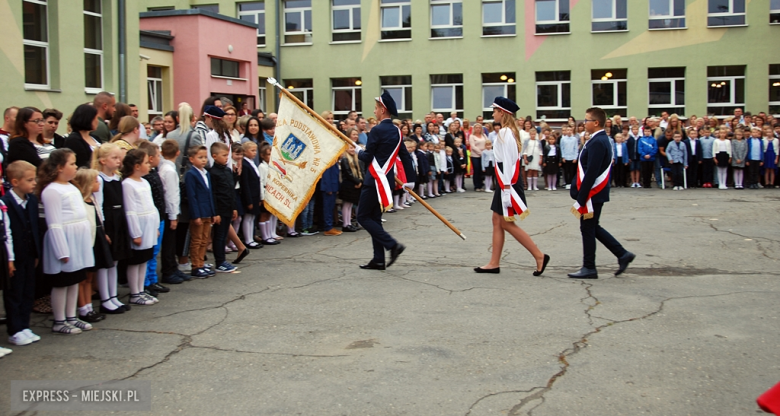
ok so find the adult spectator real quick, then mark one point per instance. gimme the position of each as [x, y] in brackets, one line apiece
[272, 116]
[453, 117]
[83, 121]
[134, 113]
[253, 135]
[362, 134]
[121, 110]
[184, 133]
[740, 115]
[245, 110]
[617, 125]
[477, 142]
[453, 133]
[664, 120]
[427, 119]
[49, 140]
[105, 104]
[170, 122]
[225, 102]
[349, 124]
[258, 113]
[157, 127]
[352, 115]
[28, 126]
[9, 118]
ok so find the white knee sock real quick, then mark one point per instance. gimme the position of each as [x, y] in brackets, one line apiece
[488, 181]
[249, 228]
[112, 285]
[346, 214]
[273, 222]
[105, 294]
[72, 300]
[59, 297]
[291, 230]
[396, 199]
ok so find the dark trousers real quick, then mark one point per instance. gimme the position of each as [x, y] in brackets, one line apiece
[168, 261]
[692, 171]
[569, 167]
[18, 298]
[328, 205]
[752, 171]
[592, 231]
[708, 168]
[479, 175]
[620, 174]
[370, 218]
[220, 237]
[677, 174]
[647, 173]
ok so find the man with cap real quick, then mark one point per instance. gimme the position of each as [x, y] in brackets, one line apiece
[383, 146]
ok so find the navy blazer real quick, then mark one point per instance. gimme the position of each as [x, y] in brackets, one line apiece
[382, 140]
[199, 195]
[16, 215]
[250, 185]
[596, 157]
[632, 144]
[692, 158]
[423, 167]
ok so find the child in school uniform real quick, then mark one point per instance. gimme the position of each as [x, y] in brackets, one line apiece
[20, 256]
[449, 162]
[143, 223]
[677, 155]
[755, 157]
[250, 194]
[352, 170]
[433, 161]
[423, 169]
[721, 150]
[532, 155]
[441, 153]
[203, 214]
[647, 148]
[622, 160]
[488, 164]
[87, 182]
[329, 187]
[739, 149]
[551, 162]
[771, 156]
[223, 185]
[151, 285]
[460, 161]
[235, 243]
[172, 195]
[67, 244]
[706, 141]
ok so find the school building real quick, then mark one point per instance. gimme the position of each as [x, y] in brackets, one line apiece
[555, 58]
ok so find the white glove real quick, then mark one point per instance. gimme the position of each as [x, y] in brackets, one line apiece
[358, 149]
[506, 197]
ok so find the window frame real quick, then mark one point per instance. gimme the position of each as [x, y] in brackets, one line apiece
[503, 22]
[615, 94]
[727, 14]
[559, 84]
[352, 9]
[557, 21]
[398, 4]
[307, 36]
[673, 102]
[614, 18]
[672, 16]
[454, 95]
[97, 52]
[238, 69]
[774, 13]
[157, 94]
[39, 44]
[731, 79]
[262, 91]
[401, 106]
[257, 17]
[308, 92]
[772, 79]
[451, 25]
[352, 88]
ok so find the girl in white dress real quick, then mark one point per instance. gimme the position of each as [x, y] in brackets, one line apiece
[143, 222]
[67, 244]
[532, 155]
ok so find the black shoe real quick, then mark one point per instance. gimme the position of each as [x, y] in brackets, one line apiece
[348, 229]
[92, 317]
[584, 273]
[270, 242]
[160, 288]
[241, 256]
[116, 311]
[395, 252]
[172, 280]
[624, 261]
[373, 266]
[183, 276]
[254, 245]
[151, 292]
[497, 270]
[544, 266]
[293, 235]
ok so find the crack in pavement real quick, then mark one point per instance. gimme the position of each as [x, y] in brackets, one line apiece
[286, 354]
[496, 394]
[450, 291]
[240, 297]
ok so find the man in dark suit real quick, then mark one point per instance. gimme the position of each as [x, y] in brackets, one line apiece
[694, 156]
[384, 143]
[591, 190]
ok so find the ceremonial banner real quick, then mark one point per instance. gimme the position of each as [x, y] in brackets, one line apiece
[303, 148]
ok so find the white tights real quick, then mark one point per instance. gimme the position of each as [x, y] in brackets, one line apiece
[346, 214]
[723, 175]
[249, 228]
[63, 301]
[107, 286]
[136, 274]
[739, 177]
[459, 182]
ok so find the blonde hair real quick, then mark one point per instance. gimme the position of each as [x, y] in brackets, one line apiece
[508, 121]
[126, 126]
[102, 152]
[248, 145]
[85, 180]
[185, 118]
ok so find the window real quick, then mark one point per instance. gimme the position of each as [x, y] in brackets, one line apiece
[396, 19]
[609, 91]
[261, 95]
[224, 68]
[447, 93]
[666, 90]
[774, 12]
[154, 86]
[667, 14]
[552, 16]
[93, 45]
[254, 13]
[553, 95]
[498, 17]
[347, 95]
[725, 89]
[499, 84]
[400, 88]
[346, 20]
[446, 19]
[297, 21]
[726, 13]
[774, 89]
[36, 43]
[303, 89]
[610, 15]
[213, 8]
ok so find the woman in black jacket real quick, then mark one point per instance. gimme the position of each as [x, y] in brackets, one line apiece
[28, 126]
[352, 170]
[83, 121]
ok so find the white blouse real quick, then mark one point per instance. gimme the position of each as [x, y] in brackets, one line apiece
[505, 152]
[69, 234]
[143, 220]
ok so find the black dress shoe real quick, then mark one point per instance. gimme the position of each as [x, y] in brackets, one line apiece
[92, 317]
[497, 270]
[544, 266]
[150, 291]
[116, 311]
[241, 256]
[160, 288]
[395, 252]
[373, 266]
[624, 261]
[584, 273]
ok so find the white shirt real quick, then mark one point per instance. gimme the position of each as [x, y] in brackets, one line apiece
[619, 149]
[693, 147]
[204, 174]
[22, 202]
[171, 190]
[552, 151]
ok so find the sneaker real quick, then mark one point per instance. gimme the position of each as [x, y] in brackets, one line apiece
[209, 270]
[151, 291]
[19, 339]
[183, 276]
[461, 190]
[332, 231]
[172, 280]
[185, 268]
[31, 335]
[306, 232]
[568, 186]
[200, 274]
[5, 351]
[150, 297]
[159, 288]
[226, 267]
[208, 266]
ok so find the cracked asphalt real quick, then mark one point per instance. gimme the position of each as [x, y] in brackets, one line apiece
[689, 329]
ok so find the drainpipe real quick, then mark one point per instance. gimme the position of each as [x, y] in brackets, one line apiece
[278, 66]
[122, 51]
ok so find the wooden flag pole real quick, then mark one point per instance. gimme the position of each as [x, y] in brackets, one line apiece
[341, 135]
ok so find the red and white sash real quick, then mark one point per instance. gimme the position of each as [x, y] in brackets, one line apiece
[384, 190]
[515, 206]
[602, 181]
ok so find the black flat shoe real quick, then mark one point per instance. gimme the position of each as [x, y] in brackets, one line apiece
[92, 317]
[241, 256]
[270, 242]
[544, 266]
[395, 252]
[373, 266]
[624, 261]
[254, 245]
[584, 273]
[116, 311]
[497, 270]
[160, 288]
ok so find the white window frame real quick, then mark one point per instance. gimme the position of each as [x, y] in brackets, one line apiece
[729, 13]
[772, 79]
[40, 44]
[732, 93]
[154, 87]
[615, 93]
[352, 88]
[353, 8]
[495, 84]
[453, 88]
[670, 16]
[557, 20]
[503, 18]
[257, 14]
[305, 90]
[400, 27]
[261, 93]
[774, 11]
[401, 106]
[452, 24]
[614, 18]
[559, 107]
[302, 12]
[98, 52]
[673, 83]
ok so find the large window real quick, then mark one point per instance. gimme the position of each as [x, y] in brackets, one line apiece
[154, 86]
[346, 20]
[725, 89]
[36, 43]
[498, 84]
[726, 13]
[261, 93]
[552, 16]
[498, 17]
[447, 93]
[666, 90]
[303, 89]
[610, 15]
[400, 88]
[396, 19]
[610, 90]
[774, 89]
[224, 68]
[254, 12]
[774, 12]
[667, 14]
[346, 95]
[297, 21]
[446, 18]
[553, 95]
[93, 45]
